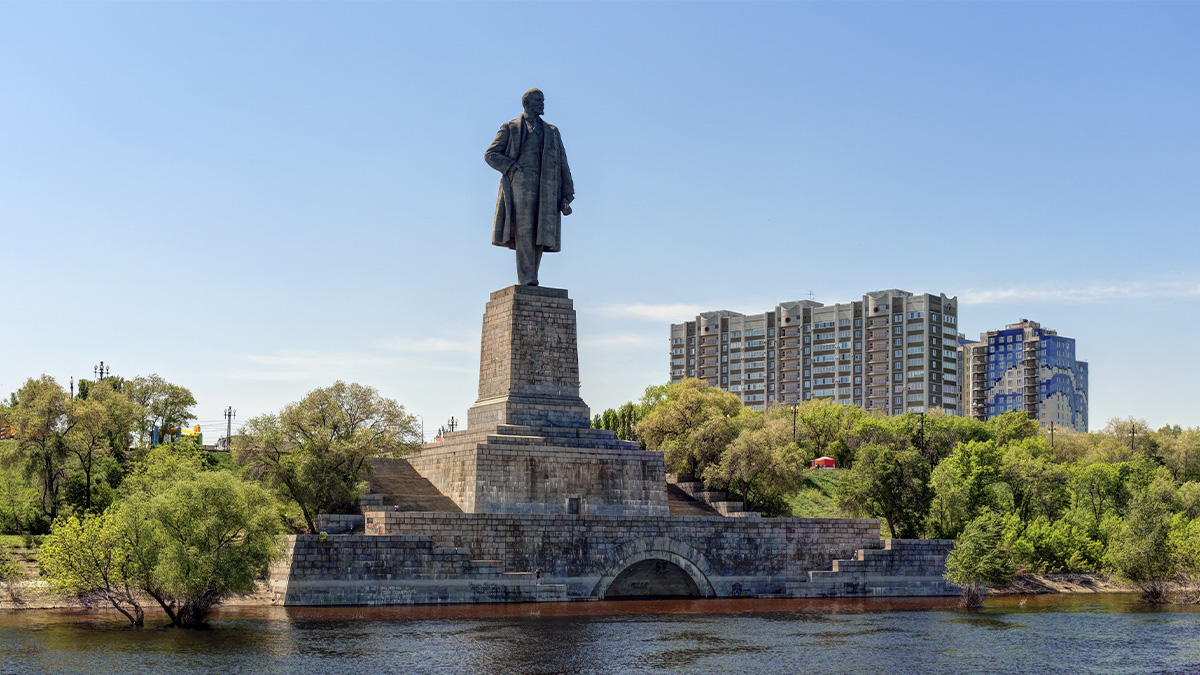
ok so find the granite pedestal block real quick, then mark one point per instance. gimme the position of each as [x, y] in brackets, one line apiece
[528, 447]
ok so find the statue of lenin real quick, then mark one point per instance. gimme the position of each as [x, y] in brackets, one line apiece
[535, 186]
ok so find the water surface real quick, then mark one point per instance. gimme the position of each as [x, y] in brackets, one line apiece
[1031, 634]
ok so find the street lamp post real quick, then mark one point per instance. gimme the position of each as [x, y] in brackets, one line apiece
[795, 407]
[100, 371]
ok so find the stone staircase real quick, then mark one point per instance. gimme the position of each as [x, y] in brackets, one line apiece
[716, 500]
[525, 436]
[683, 504]
[396, 486]
[902, 567]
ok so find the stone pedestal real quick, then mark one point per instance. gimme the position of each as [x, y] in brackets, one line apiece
[529, 362]
[528, 447]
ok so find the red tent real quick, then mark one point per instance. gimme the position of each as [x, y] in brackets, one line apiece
[824, 463]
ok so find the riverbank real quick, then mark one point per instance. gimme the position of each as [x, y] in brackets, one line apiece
[1042, 584]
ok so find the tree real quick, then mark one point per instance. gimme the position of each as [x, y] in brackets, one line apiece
[1180, 450]
[623, 421]
[89, 439]
[821, 427]
[1140, 550]
[693, 425]
[978, 559]
[186, 537]
[1012, 426]
[1036, 484]
[1096, 490]
[90, 559]
[761, 465]
[889, 482]
[20, 506]
[315, 451]
[11, 572]
[40, 420]
[198, 536]
[162, 404]
[962, 487]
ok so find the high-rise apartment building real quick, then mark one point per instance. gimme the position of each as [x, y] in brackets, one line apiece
[1029, 368]
[891, 351]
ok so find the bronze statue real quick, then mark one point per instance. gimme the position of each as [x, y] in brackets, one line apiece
[535, 187]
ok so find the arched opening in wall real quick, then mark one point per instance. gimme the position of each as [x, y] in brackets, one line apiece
[652, 579]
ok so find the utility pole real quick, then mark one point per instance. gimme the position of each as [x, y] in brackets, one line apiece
[1132, 437]
[795, 407]
[1052, 435]
[230, 413]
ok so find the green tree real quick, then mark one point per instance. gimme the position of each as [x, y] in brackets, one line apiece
[160, 403]
[186, 537]
[90, 559]
[1042, 545]
[962, 487]
[1180, 451]
[40, 421]
[978, 559]
[1140, 550]
[201, 536]
[1097, 490]
[20, 506]
[761, 464]
[623, 421]
[11, 573]
[1012, 426]
[693, 425]
[889, 482]
[315, 451]
[1036, 483]
[821, 428]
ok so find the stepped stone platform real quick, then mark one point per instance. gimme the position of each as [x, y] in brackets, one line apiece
[528, 504]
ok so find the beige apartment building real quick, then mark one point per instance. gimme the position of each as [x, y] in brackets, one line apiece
[892, 351]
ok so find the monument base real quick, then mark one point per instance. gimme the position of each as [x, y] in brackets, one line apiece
[545, 471]
[528, 448]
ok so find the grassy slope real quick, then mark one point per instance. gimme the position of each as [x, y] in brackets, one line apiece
[817, 496]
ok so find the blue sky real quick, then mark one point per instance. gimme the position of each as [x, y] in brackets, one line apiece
[256, 199]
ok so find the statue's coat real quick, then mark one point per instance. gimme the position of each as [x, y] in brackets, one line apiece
[555, 185]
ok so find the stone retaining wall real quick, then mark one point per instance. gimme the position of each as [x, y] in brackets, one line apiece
[415, 558]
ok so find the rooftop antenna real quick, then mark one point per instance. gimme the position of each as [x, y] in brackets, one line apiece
[811, 295]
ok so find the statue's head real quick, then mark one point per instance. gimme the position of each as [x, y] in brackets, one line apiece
[534, 102]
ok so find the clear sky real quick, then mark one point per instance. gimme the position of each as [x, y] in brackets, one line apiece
[256, 199]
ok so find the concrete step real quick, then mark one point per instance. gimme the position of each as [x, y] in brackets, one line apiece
[489, 567]
[728, 508]
[681, 503]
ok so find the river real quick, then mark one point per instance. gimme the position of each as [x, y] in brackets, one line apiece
[1103, 633]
